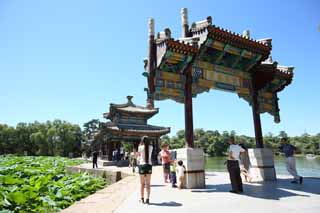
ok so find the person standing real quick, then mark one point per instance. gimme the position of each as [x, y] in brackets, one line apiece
[114, 155]
[173, 176]
[121, 157]
[133, 160]
[145, 167]
[289, 151]
[95, 159]
[233, 166]
[165, 159]
[181, 169]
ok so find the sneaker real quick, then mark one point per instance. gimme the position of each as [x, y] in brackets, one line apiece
[147, 201]
[294, 181]
[300, 180]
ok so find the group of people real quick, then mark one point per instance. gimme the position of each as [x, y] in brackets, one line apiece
[120, 154]
[238, 163]
[173, 170]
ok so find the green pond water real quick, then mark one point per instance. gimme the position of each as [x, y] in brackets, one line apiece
[305, 167]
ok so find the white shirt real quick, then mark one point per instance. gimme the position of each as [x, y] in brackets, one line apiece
[180, 171]
[142, 157]
[235, 149]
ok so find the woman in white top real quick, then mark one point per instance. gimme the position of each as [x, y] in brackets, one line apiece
[145, 167]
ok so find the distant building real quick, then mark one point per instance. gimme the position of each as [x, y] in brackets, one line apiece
[128, 123]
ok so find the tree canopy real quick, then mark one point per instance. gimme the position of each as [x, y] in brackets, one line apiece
[214, 143]
[60, 138]
[52, 138]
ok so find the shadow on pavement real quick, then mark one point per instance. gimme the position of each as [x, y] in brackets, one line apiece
[168, 204]
[157, 185]
[270, 190]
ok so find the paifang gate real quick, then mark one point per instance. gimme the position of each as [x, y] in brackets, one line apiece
[208, 57]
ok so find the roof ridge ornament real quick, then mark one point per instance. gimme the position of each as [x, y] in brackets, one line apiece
[246, 34]
[165, 34]
[266, 41]
[129, 97]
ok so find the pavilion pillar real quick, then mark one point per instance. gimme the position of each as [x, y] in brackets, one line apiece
[256, 117]
[157, 146]
[188, 109]
[118, 150]
[157, 149]
[110, 150]
[261, 159]
[151, 62]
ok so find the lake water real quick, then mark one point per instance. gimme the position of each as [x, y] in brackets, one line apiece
[305, 167]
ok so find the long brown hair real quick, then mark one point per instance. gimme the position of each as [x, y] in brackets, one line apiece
[145, 142]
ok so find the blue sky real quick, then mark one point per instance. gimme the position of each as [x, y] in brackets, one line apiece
[70, 59]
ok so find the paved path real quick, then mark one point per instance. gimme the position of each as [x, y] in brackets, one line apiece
[107, 199]
[275, 197]
[280, 196]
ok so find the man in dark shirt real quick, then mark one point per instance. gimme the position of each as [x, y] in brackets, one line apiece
[95, 159]
[289, 151]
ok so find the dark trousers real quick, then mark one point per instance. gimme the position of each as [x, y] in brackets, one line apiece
[234, 172]
[95, 164]
[173, 178]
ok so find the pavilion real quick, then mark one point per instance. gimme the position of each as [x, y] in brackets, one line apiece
[128, 123]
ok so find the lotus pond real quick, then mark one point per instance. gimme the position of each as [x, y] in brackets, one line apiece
[41, 184]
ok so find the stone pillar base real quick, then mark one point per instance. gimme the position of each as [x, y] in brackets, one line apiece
[193, 160]
[262, 164]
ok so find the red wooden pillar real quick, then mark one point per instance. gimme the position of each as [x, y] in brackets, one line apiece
[152, 53]
[188, 109]
[256, 116]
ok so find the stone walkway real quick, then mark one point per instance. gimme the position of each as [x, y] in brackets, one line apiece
[107, 199]
[280, 196]
[275, 197]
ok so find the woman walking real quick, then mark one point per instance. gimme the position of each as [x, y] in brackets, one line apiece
[145, 167]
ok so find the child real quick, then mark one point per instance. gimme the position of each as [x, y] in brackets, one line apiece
[173, 177]
[180, 174]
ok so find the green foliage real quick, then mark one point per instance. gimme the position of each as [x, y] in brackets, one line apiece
[90, 129]
[50, 138]
[59, 138]
[215, 143]
[40, 184]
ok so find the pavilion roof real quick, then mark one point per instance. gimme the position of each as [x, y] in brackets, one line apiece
[130, 108]
[135, 130]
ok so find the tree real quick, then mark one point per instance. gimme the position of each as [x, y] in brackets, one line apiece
[283, 134]
[90, 129]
